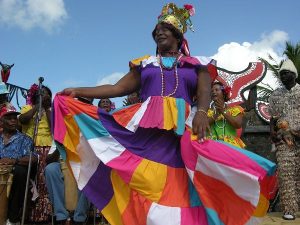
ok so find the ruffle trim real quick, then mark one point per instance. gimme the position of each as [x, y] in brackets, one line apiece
[234, 111]
[166, 113]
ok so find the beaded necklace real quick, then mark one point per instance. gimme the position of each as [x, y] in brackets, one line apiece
[223, 125]
[161, 67]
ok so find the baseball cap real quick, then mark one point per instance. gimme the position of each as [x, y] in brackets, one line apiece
[8, 109]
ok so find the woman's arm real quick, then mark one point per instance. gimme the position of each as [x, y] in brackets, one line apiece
[273, 133]
[200, 121]
[235, 121]
[126, 85]
[26, 117]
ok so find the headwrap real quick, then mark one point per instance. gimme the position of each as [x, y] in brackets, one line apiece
[180, 19]
[289, 66]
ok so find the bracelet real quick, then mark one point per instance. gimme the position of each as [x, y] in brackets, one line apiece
[202, 111]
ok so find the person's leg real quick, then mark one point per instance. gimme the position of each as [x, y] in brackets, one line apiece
[16, 197]
[82, 208]
[298, 175]
[55, 186]
[286, 162]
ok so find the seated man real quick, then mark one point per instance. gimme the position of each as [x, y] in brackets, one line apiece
[56, 188]
[14, 150]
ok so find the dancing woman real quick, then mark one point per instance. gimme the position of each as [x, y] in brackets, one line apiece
[139, 164]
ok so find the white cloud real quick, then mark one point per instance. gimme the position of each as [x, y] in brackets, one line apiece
[28, 14]
[235, 56]
[110, 79]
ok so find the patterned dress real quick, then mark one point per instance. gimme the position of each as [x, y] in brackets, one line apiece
[138, 164]
[285, 105]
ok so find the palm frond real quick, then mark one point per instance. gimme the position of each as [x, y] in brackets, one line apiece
[274, 68]
[293, 53]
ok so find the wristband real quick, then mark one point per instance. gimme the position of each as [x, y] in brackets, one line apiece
[202, 111]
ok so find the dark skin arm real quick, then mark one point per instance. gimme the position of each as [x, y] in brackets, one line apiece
[54, 157]
[131, 82]
[273, 133]
[7, 161]
[26, 117]
[46, 105]
[200, 121]
[21, 161]
[25, 160]
[126, 85]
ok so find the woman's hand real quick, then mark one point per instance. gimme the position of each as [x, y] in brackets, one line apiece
[200, 125]
[220, 106]
[69, 92]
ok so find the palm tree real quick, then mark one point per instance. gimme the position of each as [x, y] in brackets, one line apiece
[293, 53]
[272, 65]
[264, 92]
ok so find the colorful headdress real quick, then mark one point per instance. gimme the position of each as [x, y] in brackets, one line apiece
[178, 17]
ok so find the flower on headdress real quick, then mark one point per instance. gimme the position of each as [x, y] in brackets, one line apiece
[190, 8]
[227, 91]
[31, 92]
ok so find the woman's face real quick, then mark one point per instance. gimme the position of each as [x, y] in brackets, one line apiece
[216, 92]
[105, 104]
[165, 39]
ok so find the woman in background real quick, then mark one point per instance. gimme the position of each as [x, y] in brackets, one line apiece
[224, 120]
[41, 209]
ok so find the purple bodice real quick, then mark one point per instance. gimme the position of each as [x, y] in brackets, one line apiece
[151, 83]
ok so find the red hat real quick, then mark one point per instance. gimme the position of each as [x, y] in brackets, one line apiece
[8, 109]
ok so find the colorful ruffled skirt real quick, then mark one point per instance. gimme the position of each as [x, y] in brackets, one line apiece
[138, 165]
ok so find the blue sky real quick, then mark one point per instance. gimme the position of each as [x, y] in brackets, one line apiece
[84, 43]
